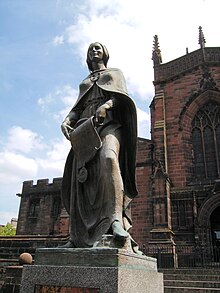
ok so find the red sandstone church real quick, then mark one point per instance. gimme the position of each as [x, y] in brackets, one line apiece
[177, 212]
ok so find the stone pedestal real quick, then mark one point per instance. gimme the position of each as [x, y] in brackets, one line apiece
[95, 270]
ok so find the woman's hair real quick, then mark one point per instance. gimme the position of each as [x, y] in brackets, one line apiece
[105, 55]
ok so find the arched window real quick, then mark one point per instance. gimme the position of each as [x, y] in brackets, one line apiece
[206, 142]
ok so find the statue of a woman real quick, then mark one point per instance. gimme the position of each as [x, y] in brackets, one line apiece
[99, 185]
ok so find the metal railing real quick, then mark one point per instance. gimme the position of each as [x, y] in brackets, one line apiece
[185, 256]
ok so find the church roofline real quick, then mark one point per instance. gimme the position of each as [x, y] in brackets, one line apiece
[143, 139]
[166, 71]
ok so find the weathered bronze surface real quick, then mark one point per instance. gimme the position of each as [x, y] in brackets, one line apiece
[99, 175]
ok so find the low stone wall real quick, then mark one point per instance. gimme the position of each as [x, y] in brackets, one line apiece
[11, 279]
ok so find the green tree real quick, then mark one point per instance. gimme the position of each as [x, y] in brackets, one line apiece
[7, 230]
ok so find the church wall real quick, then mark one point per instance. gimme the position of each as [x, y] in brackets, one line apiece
[141, 206]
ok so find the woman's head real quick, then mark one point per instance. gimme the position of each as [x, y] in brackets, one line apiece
[96, 51]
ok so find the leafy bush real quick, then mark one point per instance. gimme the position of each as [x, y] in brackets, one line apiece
[7, 230]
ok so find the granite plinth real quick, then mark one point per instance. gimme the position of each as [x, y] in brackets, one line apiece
[104, 270]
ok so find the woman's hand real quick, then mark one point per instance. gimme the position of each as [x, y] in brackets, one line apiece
[66, 128]
[102, 112]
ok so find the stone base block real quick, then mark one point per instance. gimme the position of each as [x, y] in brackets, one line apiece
[94, 257]
[93, 271]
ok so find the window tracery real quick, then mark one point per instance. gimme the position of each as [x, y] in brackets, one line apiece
[206, 142]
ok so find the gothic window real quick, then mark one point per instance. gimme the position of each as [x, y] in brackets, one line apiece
[34, 208]
[206, 142]
[179, 211]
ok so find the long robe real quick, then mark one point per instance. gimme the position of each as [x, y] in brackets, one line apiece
[91, 204]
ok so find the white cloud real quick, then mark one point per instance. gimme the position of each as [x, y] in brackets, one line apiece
[19, 161]
[59, 150]
[58, 103]
[58, 40]
[127, 29]
[45, 101]
[23, 140]
[52, 165]
[16, 167]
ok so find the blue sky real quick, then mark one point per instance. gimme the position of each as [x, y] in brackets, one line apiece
[42, 60]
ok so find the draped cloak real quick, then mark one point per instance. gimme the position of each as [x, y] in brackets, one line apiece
[111, 81]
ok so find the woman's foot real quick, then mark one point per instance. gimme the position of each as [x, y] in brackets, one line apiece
[118, 231]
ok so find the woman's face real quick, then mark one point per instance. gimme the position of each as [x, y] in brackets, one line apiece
[95, 52]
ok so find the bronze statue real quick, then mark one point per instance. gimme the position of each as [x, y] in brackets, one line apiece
[99, 175]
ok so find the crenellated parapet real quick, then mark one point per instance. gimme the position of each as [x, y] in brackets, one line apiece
[180, 66]
[42, 186]
[41, 211]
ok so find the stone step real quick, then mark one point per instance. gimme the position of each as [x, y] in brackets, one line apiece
[4, 262]
[192, 277]
[197, 271]
[191, 280]
[197, 284]
[9, 249]
[174, 289]
[11, 252]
